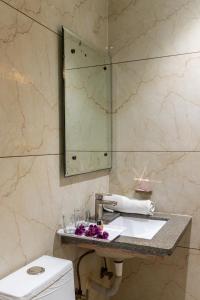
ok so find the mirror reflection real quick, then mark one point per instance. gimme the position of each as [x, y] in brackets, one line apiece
[87, 90]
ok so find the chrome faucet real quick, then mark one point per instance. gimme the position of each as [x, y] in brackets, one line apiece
[99, 202]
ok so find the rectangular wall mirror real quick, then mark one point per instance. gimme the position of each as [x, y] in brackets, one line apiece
[87, 92]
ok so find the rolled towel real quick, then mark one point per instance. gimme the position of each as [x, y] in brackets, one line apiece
[129, 205]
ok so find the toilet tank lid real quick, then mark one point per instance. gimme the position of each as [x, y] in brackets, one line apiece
[21, 285]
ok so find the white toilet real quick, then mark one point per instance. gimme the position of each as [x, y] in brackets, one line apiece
[47, 278]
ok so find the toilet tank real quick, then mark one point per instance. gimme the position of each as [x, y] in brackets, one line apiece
[54, 280]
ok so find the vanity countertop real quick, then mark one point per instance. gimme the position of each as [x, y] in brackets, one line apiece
[163, 243]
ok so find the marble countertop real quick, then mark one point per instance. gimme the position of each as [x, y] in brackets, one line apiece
[163, 243]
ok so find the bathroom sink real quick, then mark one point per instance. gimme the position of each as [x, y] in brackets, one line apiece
[138, 227]
[140, 236]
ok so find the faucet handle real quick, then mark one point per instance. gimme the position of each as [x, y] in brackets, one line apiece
[99, 196]
[109, 202]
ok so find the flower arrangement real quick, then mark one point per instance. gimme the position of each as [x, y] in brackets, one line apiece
[92, 231]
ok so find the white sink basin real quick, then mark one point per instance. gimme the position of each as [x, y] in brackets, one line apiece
[138, 227]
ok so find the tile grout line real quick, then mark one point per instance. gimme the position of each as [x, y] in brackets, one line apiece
[34, 20]
[62, 153]
[31, 155]
[156, 151]
[155, 57]
[190, 248]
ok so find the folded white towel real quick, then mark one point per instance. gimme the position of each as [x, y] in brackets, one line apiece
[127, 205]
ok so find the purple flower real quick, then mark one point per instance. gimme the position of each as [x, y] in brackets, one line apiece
[88, 233]
[100, 236]
[80, 230]
[92, 231]
[105, 235]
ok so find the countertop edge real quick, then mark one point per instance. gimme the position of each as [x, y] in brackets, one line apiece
[163, 244]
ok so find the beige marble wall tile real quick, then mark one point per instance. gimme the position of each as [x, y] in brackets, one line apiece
[33, 194]
[141, 29]
[88, 18]
[175, 277]
[179, 189]
[156, 104]
[32, 202]
[156, 109]
[29, 83]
